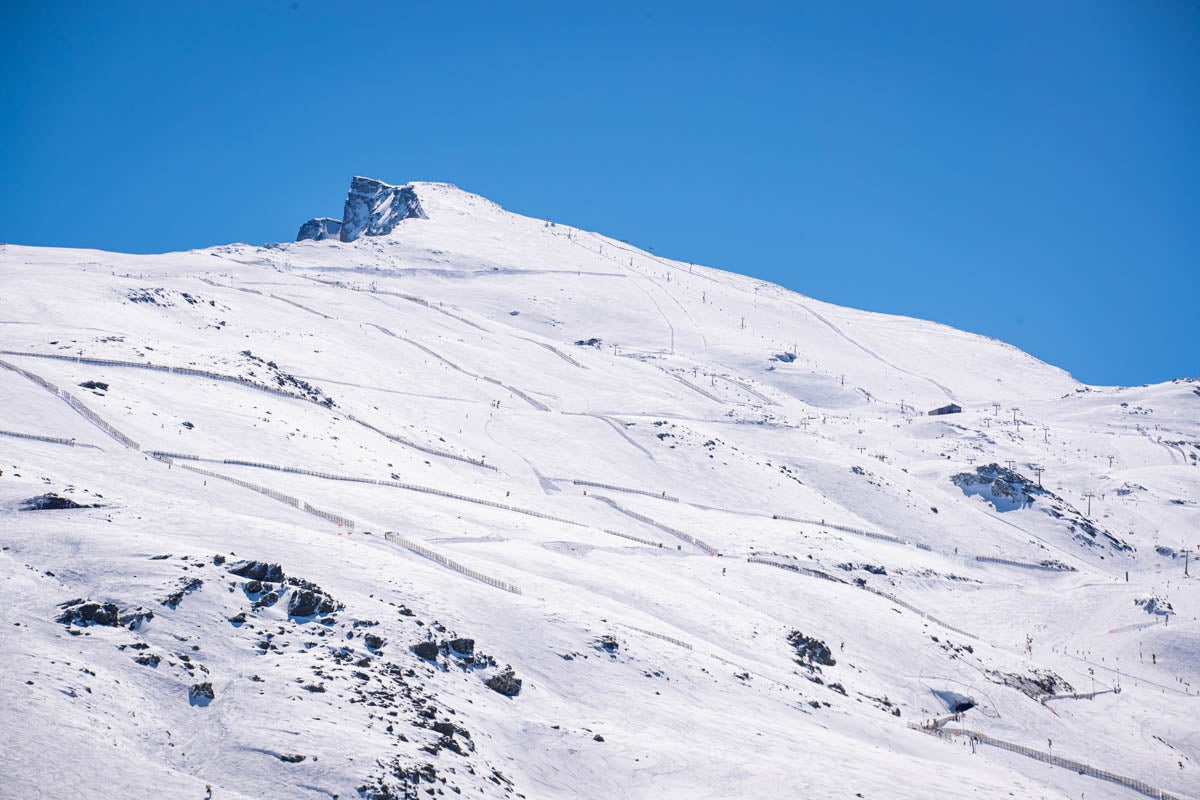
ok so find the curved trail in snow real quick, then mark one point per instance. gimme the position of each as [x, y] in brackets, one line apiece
[517, 392]
[792, 300]
[691, 320]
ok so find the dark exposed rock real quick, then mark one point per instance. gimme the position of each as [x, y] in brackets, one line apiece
[593, 342]
[154, 297]
[284, 380]
[400, 782]
[810, 652]
[85, 613]
[258, 570]
[310, 602]
[463, 647]
[148, 660]
[372, 641]
[175, 598]
[79, 612]
[291, 758]
[1157, 606]
[50, 502]
[374, 208]
[320, 228]
[426, 650]
[450, 729]
[201, 694]
[608, 644]
[505, 682]
[1035, 683]
[1007, 490]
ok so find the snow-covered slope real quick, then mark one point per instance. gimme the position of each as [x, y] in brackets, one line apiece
[339, 497]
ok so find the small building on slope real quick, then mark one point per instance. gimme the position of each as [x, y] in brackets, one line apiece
[953, 408]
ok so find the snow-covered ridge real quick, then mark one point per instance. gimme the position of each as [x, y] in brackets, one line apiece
[482, 503]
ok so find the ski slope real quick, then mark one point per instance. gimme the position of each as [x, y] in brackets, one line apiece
[409, 426]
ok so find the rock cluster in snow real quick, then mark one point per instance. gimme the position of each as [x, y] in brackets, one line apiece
[373, 208]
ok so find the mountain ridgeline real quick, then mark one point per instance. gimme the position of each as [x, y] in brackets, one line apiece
[443, 500]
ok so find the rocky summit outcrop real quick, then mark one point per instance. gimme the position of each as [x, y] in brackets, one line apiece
[320, 228]
[373, 208]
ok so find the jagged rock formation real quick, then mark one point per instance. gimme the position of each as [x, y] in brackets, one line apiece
[320, 228]
[373, 208]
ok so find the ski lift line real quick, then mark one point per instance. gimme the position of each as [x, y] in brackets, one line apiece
[1131, 675]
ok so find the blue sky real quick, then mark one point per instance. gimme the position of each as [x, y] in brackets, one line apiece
[1025, 170]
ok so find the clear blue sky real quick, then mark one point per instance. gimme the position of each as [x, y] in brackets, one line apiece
[1026, 170]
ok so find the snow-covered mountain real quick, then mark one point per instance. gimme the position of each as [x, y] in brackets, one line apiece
[445, 500]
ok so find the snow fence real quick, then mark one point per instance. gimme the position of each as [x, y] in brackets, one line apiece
[421, 550]
[1058, 761]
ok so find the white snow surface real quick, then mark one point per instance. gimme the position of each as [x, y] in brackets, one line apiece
[454, 339]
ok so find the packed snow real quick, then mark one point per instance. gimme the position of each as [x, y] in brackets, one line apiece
[483, 504]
